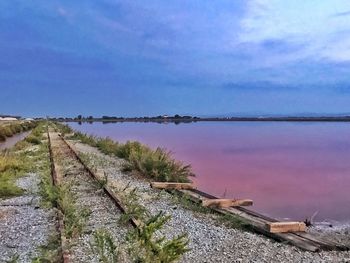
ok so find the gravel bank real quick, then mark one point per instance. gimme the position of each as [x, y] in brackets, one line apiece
[209, 241]
[24, 225]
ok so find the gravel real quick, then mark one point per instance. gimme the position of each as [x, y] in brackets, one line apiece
[210, 242]
[24, 225]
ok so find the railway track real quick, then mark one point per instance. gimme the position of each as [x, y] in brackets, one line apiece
[105, 208]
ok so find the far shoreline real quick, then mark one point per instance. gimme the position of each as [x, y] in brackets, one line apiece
[196, 119]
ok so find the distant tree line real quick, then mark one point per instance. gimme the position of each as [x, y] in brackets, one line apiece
[111, 118]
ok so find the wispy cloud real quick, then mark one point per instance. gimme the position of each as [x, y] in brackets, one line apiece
[346, 13]
[308, 23]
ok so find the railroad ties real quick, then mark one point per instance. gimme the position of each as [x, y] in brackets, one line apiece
[293, 233]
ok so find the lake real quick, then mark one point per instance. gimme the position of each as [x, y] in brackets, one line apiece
[290, 169]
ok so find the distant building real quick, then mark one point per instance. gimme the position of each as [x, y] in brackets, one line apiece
[29, 119]
[8, 119]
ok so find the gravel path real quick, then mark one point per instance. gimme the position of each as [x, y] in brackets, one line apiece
[209, 241]
[103, 212]
[24, 225]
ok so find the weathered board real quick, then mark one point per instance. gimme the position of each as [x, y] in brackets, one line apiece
[166, 185]
[285, 227]
[226, 202]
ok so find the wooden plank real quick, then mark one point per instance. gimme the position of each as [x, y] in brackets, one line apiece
[257, 223]
[226, 202]
[166, 185]
[285, 227]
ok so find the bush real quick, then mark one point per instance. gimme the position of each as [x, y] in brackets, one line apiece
[7, 131]
[16, 128]
[33, 140]
[146, 247]
[157, 164]
[107, 146]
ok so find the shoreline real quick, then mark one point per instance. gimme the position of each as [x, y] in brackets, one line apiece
[195, 119]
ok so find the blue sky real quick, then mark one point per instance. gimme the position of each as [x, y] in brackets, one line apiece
[136, 58]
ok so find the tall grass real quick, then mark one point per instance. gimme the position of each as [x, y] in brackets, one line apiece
[11, 167]
[10, 129]
[13, 164]
[156, 164]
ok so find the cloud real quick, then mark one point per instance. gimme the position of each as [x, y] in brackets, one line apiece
[310, 24]
[346, 13]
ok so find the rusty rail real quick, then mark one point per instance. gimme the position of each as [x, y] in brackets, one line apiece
[134, 222]
[65, 252]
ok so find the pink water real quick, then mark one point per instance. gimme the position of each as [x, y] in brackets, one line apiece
[289, 169]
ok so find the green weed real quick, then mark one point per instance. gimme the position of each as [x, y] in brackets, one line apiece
[146, 247]
[103, 245]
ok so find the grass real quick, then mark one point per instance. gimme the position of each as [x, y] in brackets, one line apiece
[146, 247]
[155, 164]
[15, 163]
[12, 166]
[74, 218]
[50, 252]
[104, 246]
[33, 140]
[8, 130]
[60, 196]
[144, 244]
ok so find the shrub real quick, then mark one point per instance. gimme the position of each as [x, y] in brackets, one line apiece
[33, 140]
[145, 247]
[6, 131]
[157, 164]
[16, 128]
[107, 146]
[103, 245]
[125, 150]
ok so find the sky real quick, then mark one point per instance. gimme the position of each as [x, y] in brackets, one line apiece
[199, 57]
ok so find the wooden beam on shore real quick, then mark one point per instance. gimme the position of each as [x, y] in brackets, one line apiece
[226, 202]
[258, 223]
[286, 227]
[178, 186]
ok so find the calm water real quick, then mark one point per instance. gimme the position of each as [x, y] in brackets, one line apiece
[289, 169]
[13, 140]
